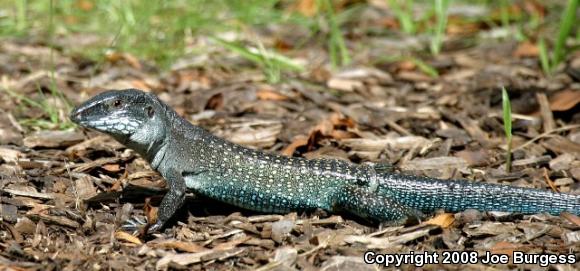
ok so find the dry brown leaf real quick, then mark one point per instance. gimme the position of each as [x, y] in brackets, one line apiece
[307, 8]
[340, 120]
[150, 211]
[406, 65]
[112, 167]
[442, 220]
[324, 127]
[85, 5]
[526, 49]
[298, 141]
[340, 134]
[270, 95]
[215, 102]
[115, 57]
[334, 126]
[565, 100]
[123, 236]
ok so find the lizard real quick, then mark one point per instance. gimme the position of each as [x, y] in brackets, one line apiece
[191, 158]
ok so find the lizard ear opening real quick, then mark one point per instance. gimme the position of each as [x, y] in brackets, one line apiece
[150, 111]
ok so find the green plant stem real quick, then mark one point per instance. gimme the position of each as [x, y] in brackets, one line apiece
[568, 20]
[507, 124]
[441, 17]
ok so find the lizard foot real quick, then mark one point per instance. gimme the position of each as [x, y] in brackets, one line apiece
[135, 225]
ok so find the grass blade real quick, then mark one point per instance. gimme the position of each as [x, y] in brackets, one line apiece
[568, 20]
[441, 17]
[507, 125]
[544, 59]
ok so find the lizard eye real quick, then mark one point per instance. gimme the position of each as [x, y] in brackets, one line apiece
[150, 111]
[117, 103]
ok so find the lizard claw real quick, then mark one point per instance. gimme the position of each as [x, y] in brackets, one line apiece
[134, 225]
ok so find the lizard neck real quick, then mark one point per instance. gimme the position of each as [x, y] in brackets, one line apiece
[152, 139]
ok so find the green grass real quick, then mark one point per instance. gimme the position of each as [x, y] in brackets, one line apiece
[55, 118]
[404, 12]
[153, 30]
[544, 57]
[507, 125]
[337, 50]
[161, 30]
[271, 62]
[565, 28]
[440, 7]
[421, 65]
[549, 60]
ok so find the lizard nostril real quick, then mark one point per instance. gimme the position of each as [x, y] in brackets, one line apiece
[75, 115]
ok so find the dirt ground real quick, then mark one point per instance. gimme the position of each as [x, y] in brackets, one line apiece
[65, 190]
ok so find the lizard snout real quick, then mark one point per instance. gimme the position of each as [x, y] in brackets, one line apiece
[76, 115]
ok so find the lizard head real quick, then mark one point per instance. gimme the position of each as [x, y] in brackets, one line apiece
[130, 116]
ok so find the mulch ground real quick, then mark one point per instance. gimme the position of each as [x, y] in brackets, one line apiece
[65, 192]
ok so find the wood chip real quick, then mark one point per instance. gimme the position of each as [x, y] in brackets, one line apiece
[53, 139]
[191, 258]
[31, 194]
[178, 245]
[545, 112]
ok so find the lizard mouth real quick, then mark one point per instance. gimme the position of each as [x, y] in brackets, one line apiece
[87, 113]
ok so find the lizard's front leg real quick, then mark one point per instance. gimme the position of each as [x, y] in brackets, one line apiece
[172, 200]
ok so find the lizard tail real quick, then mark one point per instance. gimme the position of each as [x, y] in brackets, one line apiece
[429, 194]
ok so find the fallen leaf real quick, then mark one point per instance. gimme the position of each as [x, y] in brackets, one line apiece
[150, 211]
[526, 49]
[406, 65]
[123, 236]
[115, 57]
[215, 102]
[298, 141]
[270, 95]
[442, 220]
[112, 167]
[307, 8]
[565, 100]
[85, 5]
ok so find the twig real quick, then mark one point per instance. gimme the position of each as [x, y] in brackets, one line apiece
[561, 129]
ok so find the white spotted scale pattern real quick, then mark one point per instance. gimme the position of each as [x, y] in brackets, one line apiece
[271, 183]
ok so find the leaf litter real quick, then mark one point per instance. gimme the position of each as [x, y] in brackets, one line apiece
[64, 193]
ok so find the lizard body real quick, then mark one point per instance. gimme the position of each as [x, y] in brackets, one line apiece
[191, 158]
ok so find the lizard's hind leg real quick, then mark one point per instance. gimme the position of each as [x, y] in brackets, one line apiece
[366, 204]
